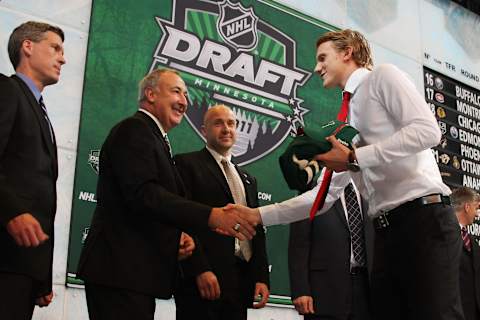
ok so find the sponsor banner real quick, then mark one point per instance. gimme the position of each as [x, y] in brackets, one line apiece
[255, 56]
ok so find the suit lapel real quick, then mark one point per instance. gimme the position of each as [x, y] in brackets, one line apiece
[158, 134]
[216, 172]
[47, 139]
[156, 131]
[340, 212]
[475, 253]
[247, 184]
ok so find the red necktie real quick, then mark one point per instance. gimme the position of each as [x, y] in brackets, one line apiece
[327, 177]
[466, 239]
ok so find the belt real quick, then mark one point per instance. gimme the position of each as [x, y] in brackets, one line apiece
[382, 221]
[357, 270]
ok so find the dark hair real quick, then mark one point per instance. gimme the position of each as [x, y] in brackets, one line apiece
[31, 30]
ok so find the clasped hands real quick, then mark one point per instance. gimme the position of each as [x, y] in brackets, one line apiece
[235, 220]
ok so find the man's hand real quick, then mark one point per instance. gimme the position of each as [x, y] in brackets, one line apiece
[208, 286]
[232, 220]
[45, 300]
[304, 304]
[187, 245]
[26, 230]
[335, 159]
[261, 290]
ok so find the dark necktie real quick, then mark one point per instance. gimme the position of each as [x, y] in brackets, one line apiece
[45, 115]
[327, 176]
[355, 224]
[167, 142]
[467, 244]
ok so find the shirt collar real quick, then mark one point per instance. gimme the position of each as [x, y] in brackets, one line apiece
[218, 157]
[31, 85]
[159, 125]
[355, 79]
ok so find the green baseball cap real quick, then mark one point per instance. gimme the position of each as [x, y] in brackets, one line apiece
[297, 164]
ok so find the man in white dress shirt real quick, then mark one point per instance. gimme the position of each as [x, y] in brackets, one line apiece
[416, 260]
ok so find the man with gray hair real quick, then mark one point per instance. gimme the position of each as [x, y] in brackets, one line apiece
[466, 204]
[28, 170]
[130, 254]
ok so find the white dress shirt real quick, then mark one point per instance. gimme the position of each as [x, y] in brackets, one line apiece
[397, 130]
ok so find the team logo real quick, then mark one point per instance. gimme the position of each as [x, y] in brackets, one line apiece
[454, 132]
[445, 158]
[443, 127]
[237, 25]
[438, 83]
[455, 163]
[93, 160]
[443, 142]
[85, 234]
[227, 55]
[441, 113]
[439, 97]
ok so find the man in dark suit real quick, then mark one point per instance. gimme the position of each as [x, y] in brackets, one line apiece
[130, 254]
[466, 204]
[326, 280]
[28, 170]
[223, 275]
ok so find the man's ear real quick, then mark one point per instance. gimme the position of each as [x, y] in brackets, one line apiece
[27, 47]
[204, 131]
[347, 53]
[466, 206]
[149, 94]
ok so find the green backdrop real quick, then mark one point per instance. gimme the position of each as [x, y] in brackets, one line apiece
[268, 80]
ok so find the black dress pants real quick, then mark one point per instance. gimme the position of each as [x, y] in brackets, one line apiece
[416, 265]
[17, 299]
[107, 303]
[358, 307]
[232, 304]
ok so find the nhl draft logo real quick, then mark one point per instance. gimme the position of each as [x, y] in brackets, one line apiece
[237, 25]
[228, 55]
[93, 160]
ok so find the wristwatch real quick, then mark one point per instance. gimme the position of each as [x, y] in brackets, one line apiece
[352, 164]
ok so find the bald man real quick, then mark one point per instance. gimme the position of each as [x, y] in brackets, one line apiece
[223, 275]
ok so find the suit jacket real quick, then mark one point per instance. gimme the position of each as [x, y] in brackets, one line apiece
[207, 184]
[134, 236]
[470, 281]
[28, 174]
[319, 260]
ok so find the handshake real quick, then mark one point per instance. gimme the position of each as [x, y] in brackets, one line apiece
[235, 220]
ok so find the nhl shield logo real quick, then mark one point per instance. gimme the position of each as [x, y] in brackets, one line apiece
[93, 160]
[237, 25]
[220, 67]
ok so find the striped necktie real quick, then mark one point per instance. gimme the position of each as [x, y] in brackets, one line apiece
[467, 244]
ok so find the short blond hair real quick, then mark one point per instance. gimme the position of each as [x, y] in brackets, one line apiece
[342, 39]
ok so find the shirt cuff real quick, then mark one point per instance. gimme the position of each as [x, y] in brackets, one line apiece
[366, 156]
